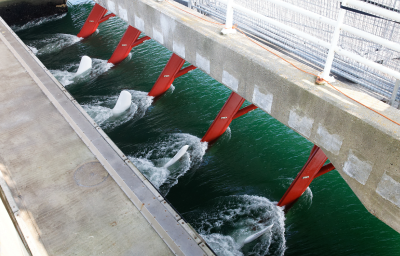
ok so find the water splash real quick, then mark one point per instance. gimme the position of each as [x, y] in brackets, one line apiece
[54, 43]
[100, 109]
[155, 155]
[68, 75]
[305, 200]
[99, 67]
[33, 49]
[226, 136]
[37, 22]
[308, 195]
[63, 76]
[227, 221]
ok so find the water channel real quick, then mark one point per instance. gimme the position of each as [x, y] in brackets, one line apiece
[228, 191]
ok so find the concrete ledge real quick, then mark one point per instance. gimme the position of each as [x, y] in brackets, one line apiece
[363, 146]
[54, 146]
[22, 11]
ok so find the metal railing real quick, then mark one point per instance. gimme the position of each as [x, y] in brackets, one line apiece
[356, 39]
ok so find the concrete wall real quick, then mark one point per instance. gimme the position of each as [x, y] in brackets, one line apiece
[363, 146]
[22, 11]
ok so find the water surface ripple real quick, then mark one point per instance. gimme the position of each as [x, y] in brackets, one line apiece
[228, 191]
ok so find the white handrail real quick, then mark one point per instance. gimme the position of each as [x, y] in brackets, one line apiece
[394, 94]
[334, 42]
[367, 62]
[371, 37]
[280, 25]
[376, 39]
[375, 9]
[297, 9]
[332, 46]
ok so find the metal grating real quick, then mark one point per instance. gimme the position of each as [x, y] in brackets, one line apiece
[367, 77]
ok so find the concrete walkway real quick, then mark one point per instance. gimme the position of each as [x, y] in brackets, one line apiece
[72, 191]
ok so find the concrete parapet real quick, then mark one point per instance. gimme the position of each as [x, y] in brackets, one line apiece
[363, 146]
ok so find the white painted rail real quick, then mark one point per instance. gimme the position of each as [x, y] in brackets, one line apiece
[333, 47]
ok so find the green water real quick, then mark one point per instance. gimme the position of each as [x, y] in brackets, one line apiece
[228, 191]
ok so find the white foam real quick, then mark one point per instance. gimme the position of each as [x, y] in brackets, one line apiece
[100, 109]
[155, 155]
[33, 49]
[228, 221]
[308, 194]
[223, 245]
[69, 76]
[100, 67]
[63, 76]
[226, 136]
[37, 22]
[157, 175]
[98, 113]
[172, 88]
[55, 43]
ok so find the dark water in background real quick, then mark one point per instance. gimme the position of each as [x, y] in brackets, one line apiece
[228, 191]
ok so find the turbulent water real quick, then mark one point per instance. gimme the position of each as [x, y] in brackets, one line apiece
[227, 191]
[227, 221]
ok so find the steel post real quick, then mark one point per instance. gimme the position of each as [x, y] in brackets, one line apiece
[394, 93]
[171, 71]
[334, 42]
[224, 117]
[244, 111]
[184, 71]
[95, 17]
[128, 41]
[313, 168]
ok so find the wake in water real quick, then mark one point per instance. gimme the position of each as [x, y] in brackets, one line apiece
[305, 200]
[227, 221]
[53, 43]
[68, 75]
[37, 22]
[100, 110]
[155, 155]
